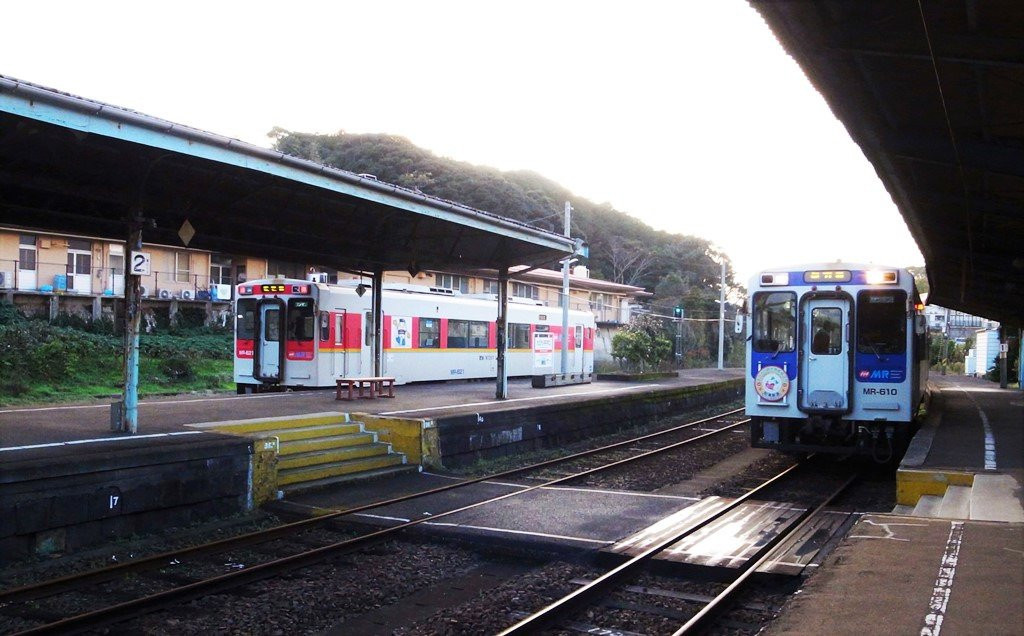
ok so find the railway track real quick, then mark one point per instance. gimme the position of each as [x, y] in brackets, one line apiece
[162, 570]
[592, 593]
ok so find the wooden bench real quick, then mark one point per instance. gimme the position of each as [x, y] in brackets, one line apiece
[376, 386]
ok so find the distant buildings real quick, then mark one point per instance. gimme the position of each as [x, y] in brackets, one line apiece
[961, 328]
[48, 273]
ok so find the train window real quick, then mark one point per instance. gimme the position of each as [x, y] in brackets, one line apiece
[478, 335]
[827, 327]
[369, 329]
[458, 334]
[272, 325]
[245, 319]
[430, 333]
[301, 321]
[579, 337]
[882, 321]
[518, 336]
[325, 326]
[774, 322]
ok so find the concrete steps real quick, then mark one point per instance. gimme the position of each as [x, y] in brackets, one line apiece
[289, 476]
[321, 449]
[328, 482]
[989, 498]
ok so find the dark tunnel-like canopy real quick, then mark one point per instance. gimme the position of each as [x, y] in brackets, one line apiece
[933, 92]
[76, 165]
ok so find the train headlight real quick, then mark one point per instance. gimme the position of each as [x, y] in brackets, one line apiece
[880, 277]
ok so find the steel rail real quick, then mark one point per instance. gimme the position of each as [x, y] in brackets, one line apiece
[58, 585]
[136, 607]
[559, 609]
[759, 558]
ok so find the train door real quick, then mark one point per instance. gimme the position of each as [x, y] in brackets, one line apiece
[268, 340]
[577, 351]
[340, 359]
[826, 368]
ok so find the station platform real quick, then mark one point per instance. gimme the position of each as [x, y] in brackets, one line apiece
[26, 426]
[967, 460]
[67, 481]
[951, 556]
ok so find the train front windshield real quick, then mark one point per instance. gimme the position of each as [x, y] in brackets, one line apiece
[882, 322]
[245, 319]
[774, 322]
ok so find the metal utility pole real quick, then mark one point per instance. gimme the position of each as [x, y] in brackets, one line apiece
[721, 320]
[501, 391]
[128, 416]
[677, 313]
[378, 321]
[565, 296]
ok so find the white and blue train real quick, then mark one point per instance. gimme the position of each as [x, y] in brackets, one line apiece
[837, 359]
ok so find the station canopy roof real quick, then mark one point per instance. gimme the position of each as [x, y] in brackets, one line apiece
[77, 165]
[933, 92]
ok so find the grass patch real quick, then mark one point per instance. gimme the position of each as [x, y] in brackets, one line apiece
[44, 362]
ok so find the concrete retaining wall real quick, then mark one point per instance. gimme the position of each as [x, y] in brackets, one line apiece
[60, 499]
[463, 439]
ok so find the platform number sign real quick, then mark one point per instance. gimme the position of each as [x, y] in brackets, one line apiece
[139, 264]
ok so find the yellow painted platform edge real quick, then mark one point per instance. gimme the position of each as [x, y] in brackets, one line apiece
[911, 485]
[268, 423]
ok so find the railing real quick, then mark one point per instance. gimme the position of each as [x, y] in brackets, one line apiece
[61, 278]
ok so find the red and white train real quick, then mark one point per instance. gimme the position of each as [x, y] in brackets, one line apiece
[296, 333]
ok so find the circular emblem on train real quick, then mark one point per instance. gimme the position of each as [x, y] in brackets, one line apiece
[771, 383]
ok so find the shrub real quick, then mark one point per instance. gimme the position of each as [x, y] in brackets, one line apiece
[641, 343]
[178, 367]
[9, 314]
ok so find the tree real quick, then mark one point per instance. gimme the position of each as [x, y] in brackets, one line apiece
[641, 343]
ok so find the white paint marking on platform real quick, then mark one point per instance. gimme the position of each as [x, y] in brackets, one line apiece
[489, 529]
[526, 399]
[944, 582]
[155, 402]
[887, 527]
[990, 440]
[99, 439]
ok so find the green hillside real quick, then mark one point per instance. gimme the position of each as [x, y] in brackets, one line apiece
[623, 249]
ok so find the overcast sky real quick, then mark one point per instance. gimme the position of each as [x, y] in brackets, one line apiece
[685, 114]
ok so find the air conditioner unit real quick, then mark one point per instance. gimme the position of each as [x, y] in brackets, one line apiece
[6, 280]
[220, 292]
[144, 290]
[164, 294]
[187, 294]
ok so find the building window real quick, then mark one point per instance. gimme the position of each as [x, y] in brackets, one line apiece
[220, 270]
[27, 252]
[429, 333]
[453, 282]
[181, 267]
[490, 286]
[522, 290]
[286, 269]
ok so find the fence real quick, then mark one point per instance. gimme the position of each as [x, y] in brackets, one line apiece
[63, 278]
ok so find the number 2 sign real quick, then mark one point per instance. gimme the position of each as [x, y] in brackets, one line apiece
[139, 264]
